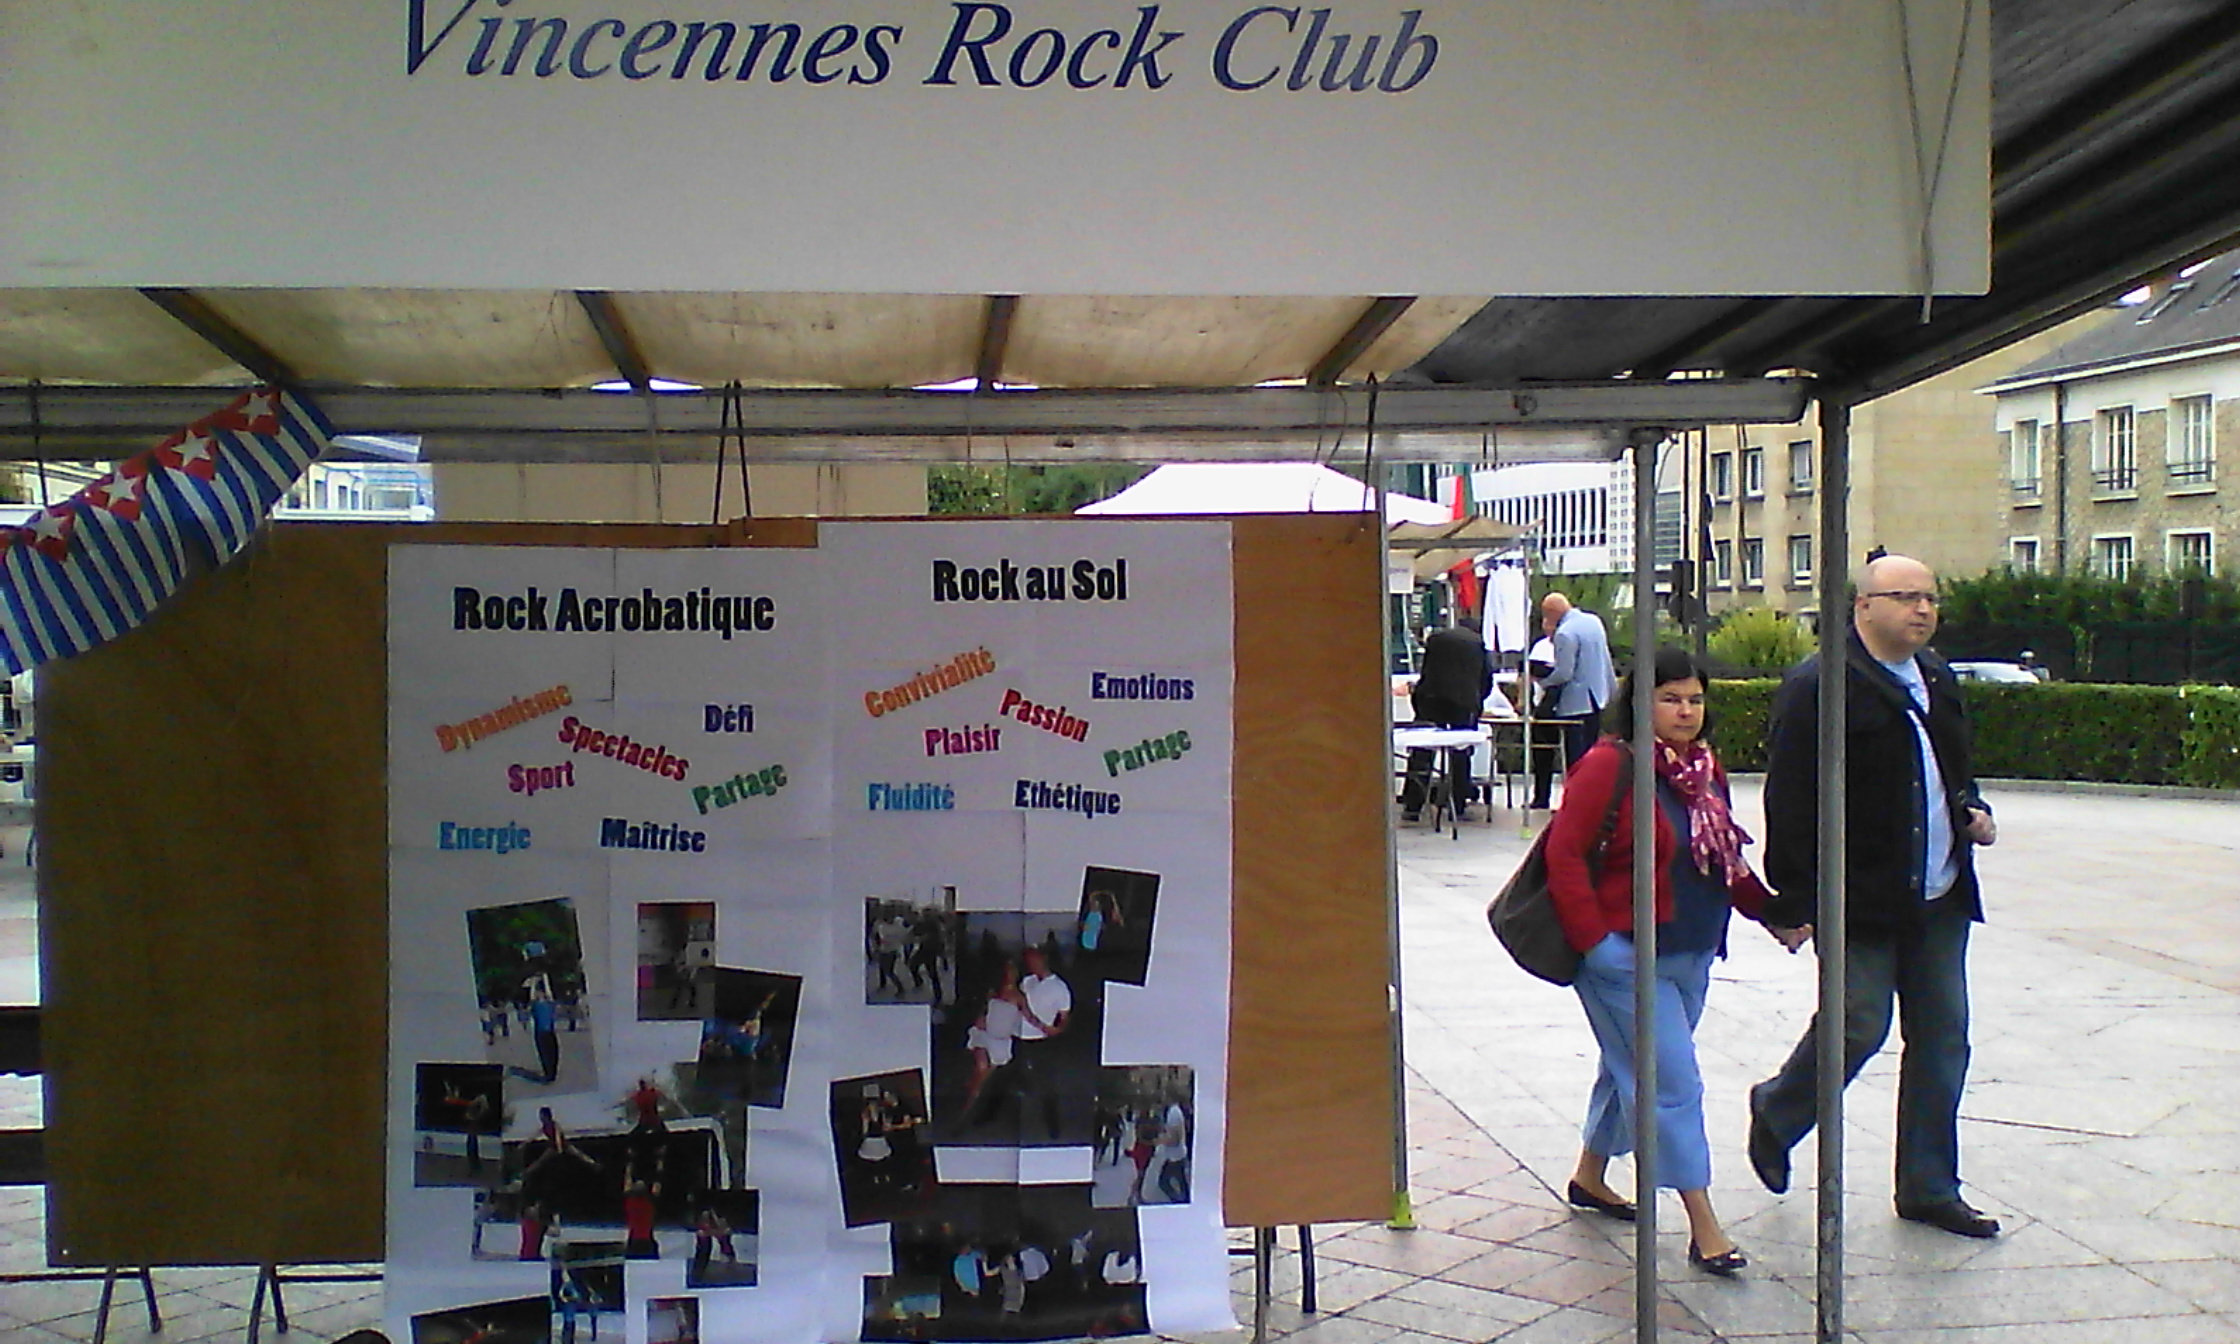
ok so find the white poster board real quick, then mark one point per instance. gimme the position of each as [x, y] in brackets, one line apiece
[1058, 146]
[812, 944]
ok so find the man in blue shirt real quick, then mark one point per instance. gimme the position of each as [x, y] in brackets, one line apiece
[1580, 681]
[1913, 817]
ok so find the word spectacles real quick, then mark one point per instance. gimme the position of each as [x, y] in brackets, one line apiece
[1909, 597]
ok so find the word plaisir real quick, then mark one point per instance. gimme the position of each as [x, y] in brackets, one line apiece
[984, 44]
[569, 612]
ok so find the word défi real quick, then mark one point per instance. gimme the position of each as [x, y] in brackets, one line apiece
[728, 718]
[987, 45]
[762, 783]
[947, 677]
[512, 714]
[507, 839]
[622, 833]
[725, 614]
[535, 779]
[616, 746]
[1038, 795]
[1057, 719]
[1008, 581]
[1150, 750]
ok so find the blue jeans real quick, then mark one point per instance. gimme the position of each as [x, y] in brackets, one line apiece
[1605, 985]
[1926, 972]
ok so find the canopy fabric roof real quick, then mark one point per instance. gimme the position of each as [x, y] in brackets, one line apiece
[2116, 157]
[1258, 487]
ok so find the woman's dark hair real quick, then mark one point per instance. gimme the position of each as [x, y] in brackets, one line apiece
[1672, 664]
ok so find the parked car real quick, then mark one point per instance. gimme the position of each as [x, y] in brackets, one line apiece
[2004, 673]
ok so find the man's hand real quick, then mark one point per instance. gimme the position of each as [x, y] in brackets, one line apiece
[1981, 828]
[1792, 939]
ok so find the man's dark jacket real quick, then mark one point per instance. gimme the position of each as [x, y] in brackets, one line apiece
[1457, 677]
[1886, 835]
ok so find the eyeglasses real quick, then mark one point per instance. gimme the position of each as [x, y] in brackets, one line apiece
[1908, 597]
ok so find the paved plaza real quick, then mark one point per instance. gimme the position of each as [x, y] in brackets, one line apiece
[2102, 1126]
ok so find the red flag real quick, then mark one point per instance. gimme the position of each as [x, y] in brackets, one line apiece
[192, 450]
[48, 531]
[122, 491]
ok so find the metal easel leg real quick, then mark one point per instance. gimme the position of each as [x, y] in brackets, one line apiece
[1263, 1260]
[148, 1292]
[1306, 1269]
[267, 1276]
[101, 1313]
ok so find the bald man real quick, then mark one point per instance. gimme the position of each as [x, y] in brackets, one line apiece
[1913, 818]
[1582, 680]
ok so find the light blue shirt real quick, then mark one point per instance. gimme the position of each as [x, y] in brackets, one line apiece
[1941, 863]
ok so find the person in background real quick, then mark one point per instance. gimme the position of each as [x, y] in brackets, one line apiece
[1581, 679]
[1701, 876]
[1457, 677]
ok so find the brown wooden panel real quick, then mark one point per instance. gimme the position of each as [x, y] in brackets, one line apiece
[1310, 1054]
[213, 893]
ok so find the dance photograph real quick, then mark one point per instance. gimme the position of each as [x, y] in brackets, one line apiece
[532, 995]
[676, 941]
[724, 1225]
[672, 1320]
[1145, 1118]
[1114, 931]
[746, 1040]
[1013, 1262]
[458, 1113]
[909, 944]
[587, 1283]
[1015, 1057]
[879, 1127]
[520, 1320]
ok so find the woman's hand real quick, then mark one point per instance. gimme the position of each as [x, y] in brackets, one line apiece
[1612, 956]
[1792, 939]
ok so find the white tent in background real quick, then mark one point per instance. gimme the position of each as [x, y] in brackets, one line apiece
[1259, 487]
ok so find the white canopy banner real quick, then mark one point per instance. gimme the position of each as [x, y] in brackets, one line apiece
[1455, 147]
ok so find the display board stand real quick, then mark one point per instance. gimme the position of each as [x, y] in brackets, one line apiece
[214, 895]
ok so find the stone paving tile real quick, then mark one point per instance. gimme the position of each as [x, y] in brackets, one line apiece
[1502, 1268]
[1569, 1327]
[1514, 1223]
[1418, 1318]
[1342, 1330]
[1570, 1282]
[1507, 1308]
[1422, 1253]
[2214, 1284]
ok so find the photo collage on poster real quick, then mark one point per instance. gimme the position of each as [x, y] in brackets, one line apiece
[694, 880]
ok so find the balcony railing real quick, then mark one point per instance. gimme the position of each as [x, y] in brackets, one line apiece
[2115, 480]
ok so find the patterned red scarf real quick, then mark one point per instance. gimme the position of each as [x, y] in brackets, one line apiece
[1714, 841]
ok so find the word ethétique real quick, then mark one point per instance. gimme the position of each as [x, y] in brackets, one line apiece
[987, 45]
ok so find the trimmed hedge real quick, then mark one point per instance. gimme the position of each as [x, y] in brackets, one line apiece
[2186, 735]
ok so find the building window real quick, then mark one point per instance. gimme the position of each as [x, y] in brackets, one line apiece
[1753, 562]
[2022, 461]
[2192, 457]
[2111, 557]
[1800, 561]
[1722, 476]
[2115, 452]
[1753, 473]
[2022, 554]
[2192, 552]
[1722, 563]
[1800, 467]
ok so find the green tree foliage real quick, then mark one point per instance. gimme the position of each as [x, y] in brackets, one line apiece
[1759, 638]
[1061, 488]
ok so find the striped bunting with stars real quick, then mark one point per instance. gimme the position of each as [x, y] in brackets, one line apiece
[80, 573]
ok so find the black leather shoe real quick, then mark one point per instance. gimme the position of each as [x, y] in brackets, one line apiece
[1767, 1157]
[1582, 1198]
[1725, 1265]
[1956, 1217]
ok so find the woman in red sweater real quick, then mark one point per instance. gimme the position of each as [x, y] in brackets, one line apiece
[1701, 876]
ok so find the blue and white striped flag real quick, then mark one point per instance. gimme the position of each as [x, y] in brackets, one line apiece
[82, 572]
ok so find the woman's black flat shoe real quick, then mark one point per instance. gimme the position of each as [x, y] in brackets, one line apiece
[1615, 1208]
[1726, 1266]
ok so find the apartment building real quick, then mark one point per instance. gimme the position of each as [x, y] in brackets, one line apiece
[2119, 448]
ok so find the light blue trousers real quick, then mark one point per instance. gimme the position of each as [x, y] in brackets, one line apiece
[1605, 985]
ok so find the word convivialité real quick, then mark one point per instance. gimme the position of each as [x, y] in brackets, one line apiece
[933, 681]
[700, 611]
[987, 45]
[512, 714]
